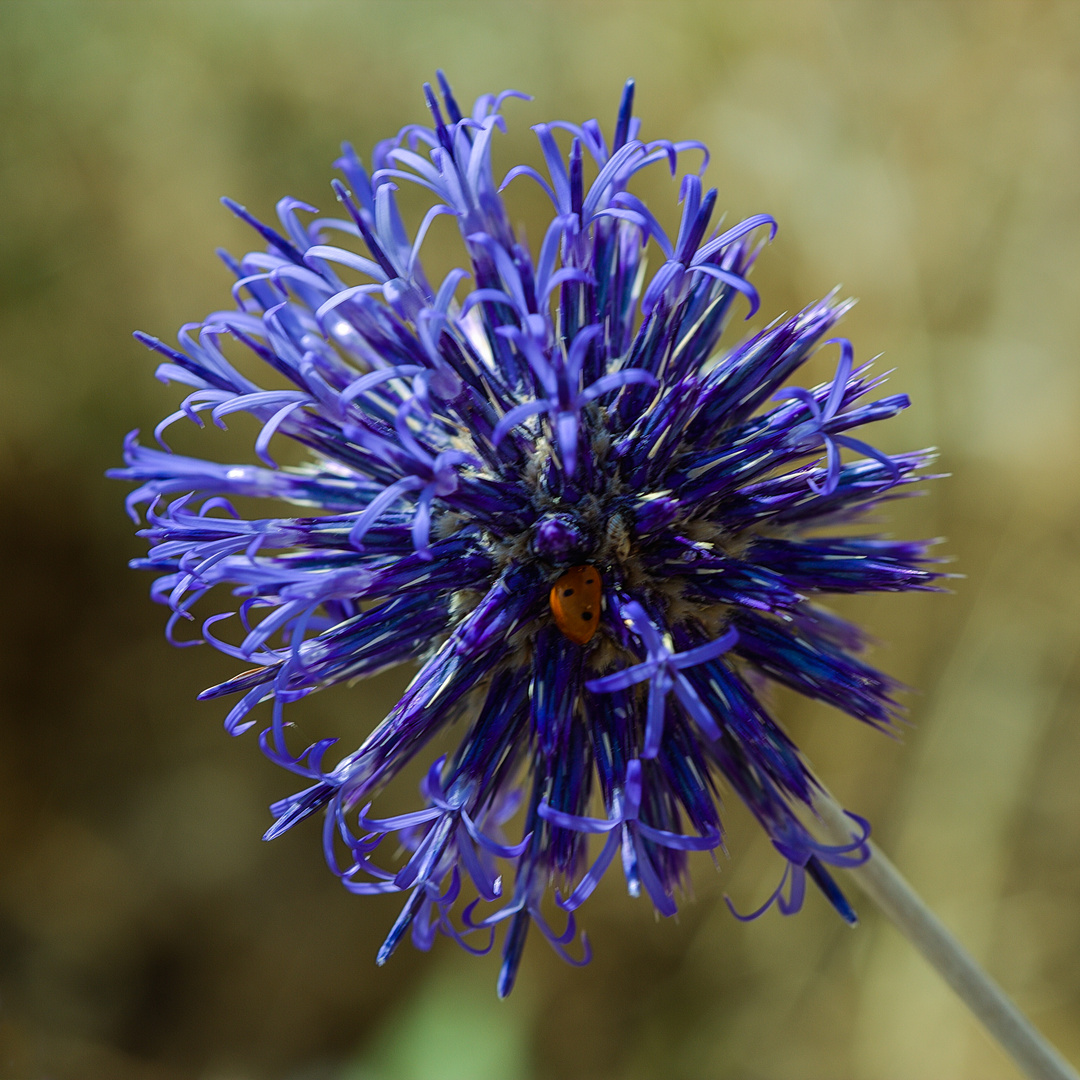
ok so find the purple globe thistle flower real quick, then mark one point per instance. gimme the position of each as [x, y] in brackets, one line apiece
[595, 531]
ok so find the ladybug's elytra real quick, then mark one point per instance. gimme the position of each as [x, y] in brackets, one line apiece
[575, 603]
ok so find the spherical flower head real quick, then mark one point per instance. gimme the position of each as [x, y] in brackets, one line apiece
[595, 531]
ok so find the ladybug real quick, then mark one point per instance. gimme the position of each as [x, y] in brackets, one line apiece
[575, 603]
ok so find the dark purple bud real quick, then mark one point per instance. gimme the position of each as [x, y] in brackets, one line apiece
[558, 537]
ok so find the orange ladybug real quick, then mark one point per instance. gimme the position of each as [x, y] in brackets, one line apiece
[575, 603]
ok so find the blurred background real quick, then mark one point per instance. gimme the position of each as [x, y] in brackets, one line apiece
[926, 156]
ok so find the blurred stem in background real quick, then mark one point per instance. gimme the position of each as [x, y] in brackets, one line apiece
[886, 886]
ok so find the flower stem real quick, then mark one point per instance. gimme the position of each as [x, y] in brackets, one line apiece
[884, 884]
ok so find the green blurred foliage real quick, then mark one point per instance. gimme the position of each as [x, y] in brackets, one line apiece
[924, 155]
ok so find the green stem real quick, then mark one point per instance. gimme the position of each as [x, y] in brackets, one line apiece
[884, 884]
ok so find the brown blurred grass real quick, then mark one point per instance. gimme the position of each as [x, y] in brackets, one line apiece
[926, 155]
